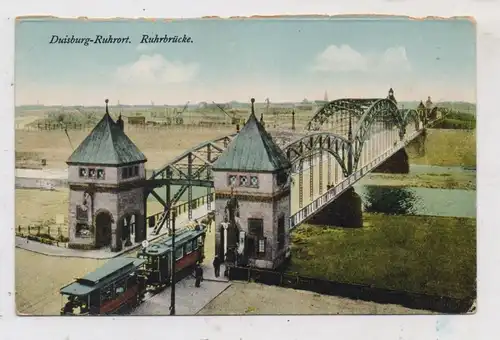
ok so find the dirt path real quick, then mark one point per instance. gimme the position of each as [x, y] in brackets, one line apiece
[252, 298]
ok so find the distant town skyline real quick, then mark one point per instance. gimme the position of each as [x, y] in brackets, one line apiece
[283, 60]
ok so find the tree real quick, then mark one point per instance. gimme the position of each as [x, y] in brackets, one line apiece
[390, 200]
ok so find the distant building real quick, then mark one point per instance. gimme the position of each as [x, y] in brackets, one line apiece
[304, 106]
[428, 103]
[138, 120]
[391, 95]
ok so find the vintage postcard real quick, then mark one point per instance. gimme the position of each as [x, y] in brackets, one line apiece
[281, 165]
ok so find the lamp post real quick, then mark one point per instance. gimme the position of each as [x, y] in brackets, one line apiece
[225, 225]
[172, 266]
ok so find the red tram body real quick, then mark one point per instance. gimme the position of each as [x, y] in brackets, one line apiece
[189, 250]
[116, 285]
[121, 283]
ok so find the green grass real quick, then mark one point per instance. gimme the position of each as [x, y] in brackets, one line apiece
[422, 254]
[447, 148]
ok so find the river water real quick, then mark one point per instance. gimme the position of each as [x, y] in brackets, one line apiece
[429, 201]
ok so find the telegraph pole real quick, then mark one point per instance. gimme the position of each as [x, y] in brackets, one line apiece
[172, 292]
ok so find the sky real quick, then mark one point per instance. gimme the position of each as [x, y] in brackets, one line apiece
[283, 60]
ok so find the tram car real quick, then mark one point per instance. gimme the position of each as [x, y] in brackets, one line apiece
[189, 250]
[116, 286]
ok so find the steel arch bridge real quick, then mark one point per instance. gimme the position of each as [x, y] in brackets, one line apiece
[352, 136]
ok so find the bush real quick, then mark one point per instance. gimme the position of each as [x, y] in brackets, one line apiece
[40, 239]
[448, 123]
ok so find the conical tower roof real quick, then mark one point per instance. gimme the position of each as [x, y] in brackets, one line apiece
[108, 145]
[253, 149]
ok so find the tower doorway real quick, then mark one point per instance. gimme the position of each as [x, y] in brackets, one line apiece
[103, 221]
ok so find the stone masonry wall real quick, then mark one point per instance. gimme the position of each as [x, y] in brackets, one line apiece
[132, 202]
[103, 201]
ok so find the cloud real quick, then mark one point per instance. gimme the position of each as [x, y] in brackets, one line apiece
[155, 69]
[347, 59]
[145, 47]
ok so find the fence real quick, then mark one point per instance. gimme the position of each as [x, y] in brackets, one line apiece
[441, 304]
[128, 127]
[52, 235]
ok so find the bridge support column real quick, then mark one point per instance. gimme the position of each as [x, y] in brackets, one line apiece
[417, 146]
[396, 164]
[345, 211]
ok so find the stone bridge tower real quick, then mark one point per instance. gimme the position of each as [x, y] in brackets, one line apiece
[106, 200]
[252, 204]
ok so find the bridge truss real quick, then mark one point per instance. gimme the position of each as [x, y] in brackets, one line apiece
[352, 136]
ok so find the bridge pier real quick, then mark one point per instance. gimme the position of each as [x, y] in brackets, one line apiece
[345, 211]
[417, 146]
[396, 164]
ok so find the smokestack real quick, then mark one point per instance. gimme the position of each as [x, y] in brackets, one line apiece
[120, 122]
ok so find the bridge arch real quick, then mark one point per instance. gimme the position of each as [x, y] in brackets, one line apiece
[411, 119]
[382, 115]
[308, 145]
[340, 110]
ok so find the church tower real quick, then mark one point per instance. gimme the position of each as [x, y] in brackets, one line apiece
[106, 200]
[252, 204]
[390, 96]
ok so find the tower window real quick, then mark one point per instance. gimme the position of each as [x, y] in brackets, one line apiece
[130, 171]
[254, 181]
[100, 174]
[83, 172]
[243, 181]
[255, 237]
[231, 180]
[92, 173]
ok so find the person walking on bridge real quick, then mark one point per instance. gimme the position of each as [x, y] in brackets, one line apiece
[216, 264]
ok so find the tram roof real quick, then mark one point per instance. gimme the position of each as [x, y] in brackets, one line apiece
[162, 247]
[109, 272]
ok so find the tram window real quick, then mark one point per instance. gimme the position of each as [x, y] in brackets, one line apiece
[189, 247]
[195, 243]
[120, 287]
[178, 253]
[131, 281]
[106, 294]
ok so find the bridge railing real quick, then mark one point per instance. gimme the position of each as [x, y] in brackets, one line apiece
[183, 208]
[332, 193]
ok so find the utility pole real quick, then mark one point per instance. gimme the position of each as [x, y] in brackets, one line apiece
[172, 292]
[350, 153]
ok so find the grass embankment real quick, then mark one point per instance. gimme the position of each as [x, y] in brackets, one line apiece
[447, 148]
[421, 254]
[463, 181]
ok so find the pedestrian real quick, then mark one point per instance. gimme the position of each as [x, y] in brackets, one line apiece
[198, 273]
[217, 264]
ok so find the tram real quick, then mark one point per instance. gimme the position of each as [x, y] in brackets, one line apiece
[189, 250]
[110, 289]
